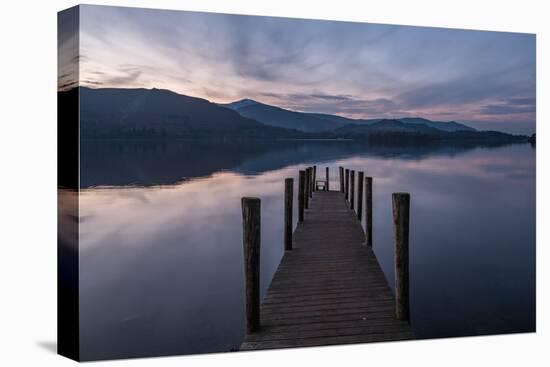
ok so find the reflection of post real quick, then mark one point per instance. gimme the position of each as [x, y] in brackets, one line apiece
[347, 184]
[341, 177]
[327, 188]
[401, 204]
[251, 246]
[352, 190]
[289, 197]
[306, 189]
[360, 195]
[368, 211]
[301, 194]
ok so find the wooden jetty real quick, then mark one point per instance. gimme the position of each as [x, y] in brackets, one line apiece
[329, 288]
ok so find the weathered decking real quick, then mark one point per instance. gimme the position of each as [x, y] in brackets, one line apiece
[329, 289]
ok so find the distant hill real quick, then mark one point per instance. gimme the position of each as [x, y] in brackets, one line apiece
[440, 125]
[391, 130]
[342, 120]
[318, 122]
[276, 116]
[114, 112]
[386, 126]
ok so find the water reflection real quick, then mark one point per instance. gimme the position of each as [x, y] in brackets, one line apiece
[147, 163]
[161, 252]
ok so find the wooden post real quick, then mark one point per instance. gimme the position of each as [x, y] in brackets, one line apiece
[308, 186]
[401, 204]
[314, 183]
[326, 187]
[360, 195]
[306, 189]
[301, 194]
[289, 197]
[352, 190]
[341, 176]
[311, 182]
[251, 208]
[347, 184]
[368, 211]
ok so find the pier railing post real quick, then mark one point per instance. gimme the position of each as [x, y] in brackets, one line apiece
[251, 208]
[352, 190]
[307, 187]
[368, 211]
[328, 180]
[314, 183]
[360, 195]
[401, 205]
[289, 197]
[341, 177]
[347, 184]
[301, 194]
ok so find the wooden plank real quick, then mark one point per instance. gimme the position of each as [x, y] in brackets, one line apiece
[330, 288]
[331, 332]
[375, 324]
[315, 342]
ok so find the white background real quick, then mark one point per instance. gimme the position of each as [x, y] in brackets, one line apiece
[28, 182]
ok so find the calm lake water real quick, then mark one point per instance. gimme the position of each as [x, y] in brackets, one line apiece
[161, 251]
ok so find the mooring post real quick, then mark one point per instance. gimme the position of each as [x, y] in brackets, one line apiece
[289, 197]
[360, 195]
[306, 189]
[313, 183]
[341, 177]
[401, 204]
[347, 184]
[328, 180]
[352, 190]
[310, 169]
[308, 185]
[368, 211]
[301, 194]
[251, 208]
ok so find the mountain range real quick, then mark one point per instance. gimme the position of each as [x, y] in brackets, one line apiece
[158, 113]
[317, 122]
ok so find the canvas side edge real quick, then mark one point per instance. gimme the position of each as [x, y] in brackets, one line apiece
[68, 323]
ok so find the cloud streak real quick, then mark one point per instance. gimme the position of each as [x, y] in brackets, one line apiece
[511, 106]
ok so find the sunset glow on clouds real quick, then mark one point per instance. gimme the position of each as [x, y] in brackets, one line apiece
[486, 79]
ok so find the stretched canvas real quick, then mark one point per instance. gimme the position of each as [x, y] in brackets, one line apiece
[231, 183]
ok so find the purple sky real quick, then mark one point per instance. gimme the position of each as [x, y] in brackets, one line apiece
[485, 79]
